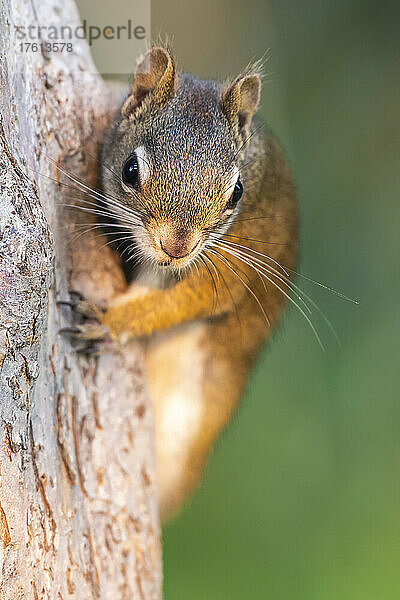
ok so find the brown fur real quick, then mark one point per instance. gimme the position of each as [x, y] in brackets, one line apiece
[194, 133]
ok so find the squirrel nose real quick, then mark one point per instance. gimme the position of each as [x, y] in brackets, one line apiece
[178, 248]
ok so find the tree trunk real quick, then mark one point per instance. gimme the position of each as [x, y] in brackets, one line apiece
[78, 504]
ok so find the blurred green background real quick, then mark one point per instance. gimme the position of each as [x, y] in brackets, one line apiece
[302, 495]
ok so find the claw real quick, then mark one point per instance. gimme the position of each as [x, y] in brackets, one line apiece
[87, 350]
[65, 303]
[82, 307]
[68, 331]
[94, 349]
[90, 336]
[77, 293]
[87, 331]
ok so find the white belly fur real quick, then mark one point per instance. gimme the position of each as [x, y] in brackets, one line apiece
[175, 369]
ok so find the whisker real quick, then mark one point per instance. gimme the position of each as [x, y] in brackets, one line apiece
[106, 213]
[226, 261]
[195, 265]
[273, 272]
[253, 240]
[286, 269]
[298, 292]
[78, 182]
[213, 266]
[102, 225]
[220, 275]
[103, 233]
[260, 217]
[93, 192]
[98, 212]
[120, 239]
[274, 283]
[102, 204]
[326, 287]
[236, 245]
[214, 285]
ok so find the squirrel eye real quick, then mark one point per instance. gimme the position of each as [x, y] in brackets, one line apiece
[236, 194]
[130, 171]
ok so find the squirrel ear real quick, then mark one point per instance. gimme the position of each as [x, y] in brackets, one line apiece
[154, 75]
[240, 101]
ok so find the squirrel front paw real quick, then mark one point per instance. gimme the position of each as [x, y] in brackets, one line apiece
[87, 333]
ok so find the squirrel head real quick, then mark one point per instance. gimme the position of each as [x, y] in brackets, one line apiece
[174, 157]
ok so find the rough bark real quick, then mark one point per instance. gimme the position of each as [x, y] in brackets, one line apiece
[78, 506]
